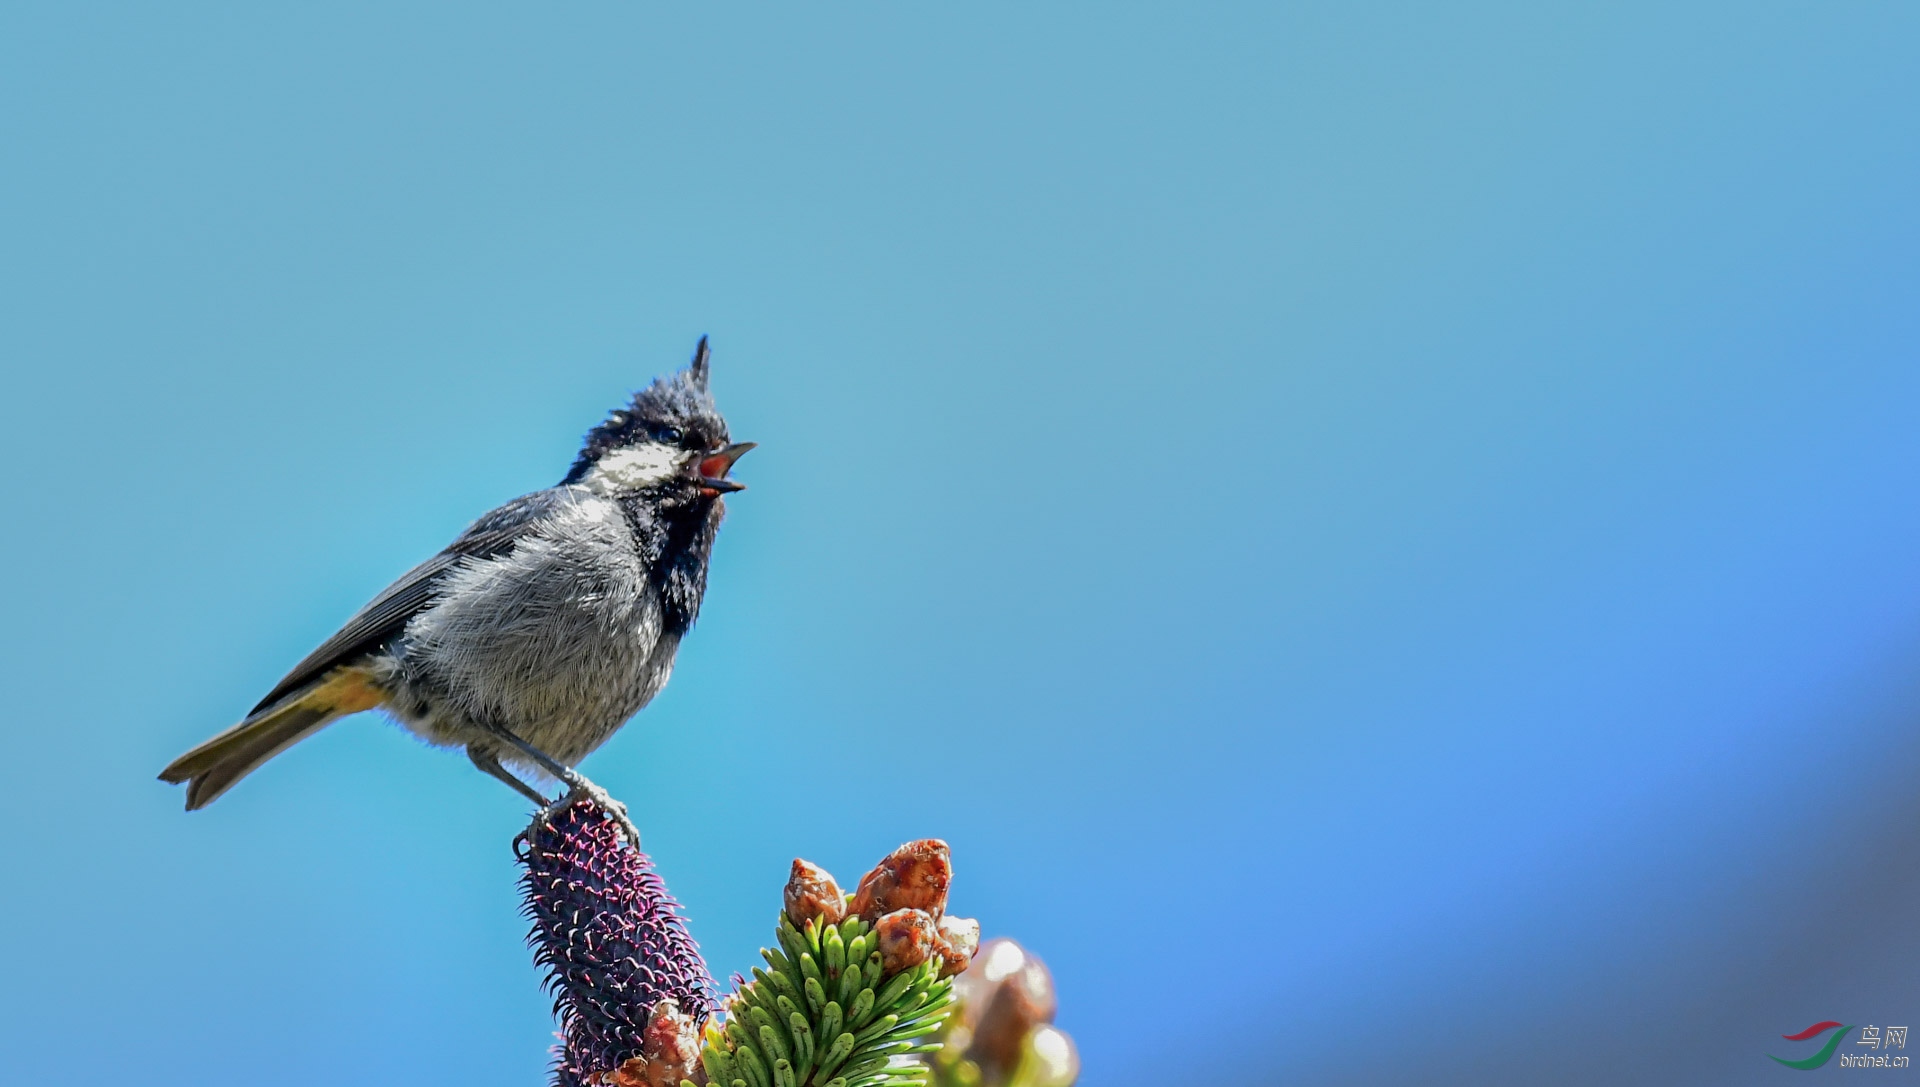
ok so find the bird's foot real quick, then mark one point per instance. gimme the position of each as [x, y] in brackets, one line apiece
[579, 788]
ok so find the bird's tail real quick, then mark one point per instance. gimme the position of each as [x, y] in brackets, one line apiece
[214, 766]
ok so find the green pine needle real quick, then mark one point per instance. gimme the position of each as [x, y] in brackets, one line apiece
[821, 1014]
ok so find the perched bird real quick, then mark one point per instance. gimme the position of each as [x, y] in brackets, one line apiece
[543, 628]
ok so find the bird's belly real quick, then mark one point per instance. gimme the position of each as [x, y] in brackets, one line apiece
[561, 662]
[589, 699]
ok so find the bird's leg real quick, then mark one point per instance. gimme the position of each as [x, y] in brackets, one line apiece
[488, 762]
[576, 783]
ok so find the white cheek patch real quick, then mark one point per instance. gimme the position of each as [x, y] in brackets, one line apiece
[636, 467]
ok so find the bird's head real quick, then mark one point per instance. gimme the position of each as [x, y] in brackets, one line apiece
[671, 441]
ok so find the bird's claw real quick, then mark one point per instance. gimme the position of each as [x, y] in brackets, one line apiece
[581, 789]
[584, 789]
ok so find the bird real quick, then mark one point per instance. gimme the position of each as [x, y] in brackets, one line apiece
[539, 631]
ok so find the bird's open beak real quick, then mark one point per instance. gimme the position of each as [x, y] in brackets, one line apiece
[715, 466]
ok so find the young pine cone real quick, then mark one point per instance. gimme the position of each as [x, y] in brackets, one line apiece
[614, 945]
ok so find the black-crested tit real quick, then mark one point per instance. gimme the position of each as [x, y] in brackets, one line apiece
[543, 628]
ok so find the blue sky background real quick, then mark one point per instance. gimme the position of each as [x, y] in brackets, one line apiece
[1386, 538]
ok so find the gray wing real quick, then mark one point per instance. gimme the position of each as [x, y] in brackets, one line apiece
[386, 617]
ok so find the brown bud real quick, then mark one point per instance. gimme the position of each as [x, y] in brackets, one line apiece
[1005, 995]
[812, 894]
[906, 940]
[633, 1073]
[913, 877]
[669, 1051]
[640, 1072]
[955, 942]
[671, 1034]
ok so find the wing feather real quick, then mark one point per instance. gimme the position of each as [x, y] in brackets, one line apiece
[386, 616]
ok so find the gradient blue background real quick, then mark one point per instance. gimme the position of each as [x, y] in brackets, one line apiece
[1393, 535]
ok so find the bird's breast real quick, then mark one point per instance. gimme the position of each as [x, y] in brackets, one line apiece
[562, 633]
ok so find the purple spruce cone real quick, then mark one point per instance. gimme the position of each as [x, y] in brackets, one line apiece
[611, 937]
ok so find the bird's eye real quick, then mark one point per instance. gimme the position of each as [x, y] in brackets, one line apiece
[669, 435]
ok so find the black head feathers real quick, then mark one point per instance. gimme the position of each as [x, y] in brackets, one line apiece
[697, 369]
[675, 410]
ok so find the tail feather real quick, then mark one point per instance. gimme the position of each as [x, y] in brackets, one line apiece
[215, 766]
